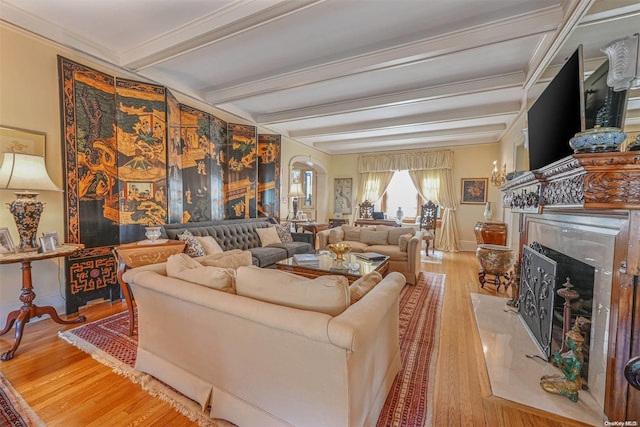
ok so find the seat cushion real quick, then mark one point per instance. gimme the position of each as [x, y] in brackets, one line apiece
[263, 257]
[324, 294]
[293, 248]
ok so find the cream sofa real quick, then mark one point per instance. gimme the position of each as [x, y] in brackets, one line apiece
[259, 363]
[384, 240]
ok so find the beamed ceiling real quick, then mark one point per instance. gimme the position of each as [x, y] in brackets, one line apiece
[345, 76]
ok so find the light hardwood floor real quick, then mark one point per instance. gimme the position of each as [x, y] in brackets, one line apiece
[66, 387]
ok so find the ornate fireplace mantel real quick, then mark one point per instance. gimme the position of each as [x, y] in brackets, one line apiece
[597, 185]
[589, 181]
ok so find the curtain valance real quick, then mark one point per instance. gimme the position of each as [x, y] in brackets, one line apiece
[414, 160]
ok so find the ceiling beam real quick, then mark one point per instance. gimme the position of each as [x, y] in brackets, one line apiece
[397, 98]
[504, 108]
[237, 18]
[427, 135]
[382, 147]
[397, 56]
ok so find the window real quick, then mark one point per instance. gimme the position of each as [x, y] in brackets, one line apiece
[401, 193]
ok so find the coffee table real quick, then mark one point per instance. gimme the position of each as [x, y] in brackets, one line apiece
[326, 266]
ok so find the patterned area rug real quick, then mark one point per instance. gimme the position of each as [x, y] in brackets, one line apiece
[14, 411]
[409, 402]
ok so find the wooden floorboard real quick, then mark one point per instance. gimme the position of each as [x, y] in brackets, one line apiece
[66, 387]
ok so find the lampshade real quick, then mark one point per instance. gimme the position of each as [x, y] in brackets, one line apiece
[296, 190]
[25, 172]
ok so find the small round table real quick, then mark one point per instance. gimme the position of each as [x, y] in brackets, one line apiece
[29, 310]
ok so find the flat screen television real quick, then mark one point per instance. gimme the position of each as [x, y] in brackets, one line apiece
[557, 115]
[603, 106]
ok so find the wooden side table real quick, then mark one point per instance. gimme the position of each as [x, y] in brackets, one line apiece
[29, 310]
[491, 233]
[141, 253]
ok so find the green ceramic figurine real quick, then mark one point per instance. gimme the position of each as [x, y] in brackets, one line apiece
[570, 363]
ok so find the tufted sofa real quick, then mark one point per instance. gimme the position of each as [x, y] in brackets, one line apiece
[242, 234]
[385, 240]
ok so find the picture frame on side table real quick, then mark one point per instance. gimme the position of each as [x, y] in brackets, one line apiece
[47, 244]
[474, 190]
[53, 234]
[6, 243]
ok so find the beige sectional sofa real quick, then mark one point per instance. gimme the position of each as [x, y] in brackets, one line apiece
[279, 350]
[404, 252]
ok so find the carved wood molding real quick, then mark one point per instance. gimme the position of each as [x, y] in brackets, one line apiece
[590, 181]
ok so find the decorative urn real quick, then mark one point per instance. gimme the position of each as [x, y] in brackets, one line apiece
[495, 259]
[340, 249]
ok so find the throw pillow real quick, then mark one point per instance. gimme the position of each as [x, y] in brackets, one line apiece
[336, 235]
[181, 266]
[373, 237]
[324, 294]
[396, 232]
[351, 233]
[193, 247]
[180, 262]
[209, 244]
[268, 236]
[230, 259]
[284, 232]
[403, 242]
[363, 285]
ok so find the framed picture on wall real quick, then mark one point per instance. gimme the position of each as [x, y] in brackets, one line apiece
[21, 141]
[342, 195]
[474, 190]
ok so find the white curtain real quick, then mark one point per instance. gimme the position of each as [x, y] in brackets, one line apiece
[372, 186]
[436, 185]
[430, 172]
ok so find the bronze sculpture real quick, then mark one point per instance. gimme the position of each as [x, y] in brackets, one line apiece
[570, 363]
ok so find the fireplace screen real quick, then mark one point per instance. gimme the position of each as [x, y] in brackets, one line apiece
[537, 294]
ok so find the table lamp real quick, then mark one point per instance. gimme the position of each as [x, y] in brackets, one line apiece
[27, 174]
[295, 191]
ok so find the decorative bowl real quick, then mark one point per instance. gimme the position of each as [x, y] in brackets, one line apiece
[597, 140]
[495, 259]
[340, 249]
[152, 233]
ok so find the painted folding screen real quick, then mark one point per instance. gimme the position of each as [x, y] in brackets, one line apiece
[90, 181]
[141, 121]
[269, 175]
[174, 160]
[241, 171]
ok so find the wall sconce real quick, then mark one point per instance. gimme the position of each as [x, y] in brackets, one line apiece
[498, 178]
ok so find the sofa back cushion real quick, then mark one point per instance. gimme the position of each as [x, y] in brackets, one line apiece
[396, 232]
[336, 235]
[351, 232]
[374, 237]
[363, 285]
[222, 279]
[324, 294]
[230, 259]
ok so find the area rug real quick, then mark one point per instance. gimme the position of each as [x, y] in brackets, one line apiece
[14, 411]
[409, 402]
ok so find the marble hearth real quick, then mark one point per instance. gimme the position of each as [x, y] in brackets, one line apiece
[513, 374]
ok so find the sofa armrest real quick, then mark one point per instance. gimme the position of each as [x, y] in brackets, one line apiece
[303, 237]
[323, 238]
[359, 323]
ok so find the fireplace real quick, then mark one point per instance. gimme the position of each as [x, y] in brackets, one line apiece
[587, 207]
[543, 273]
